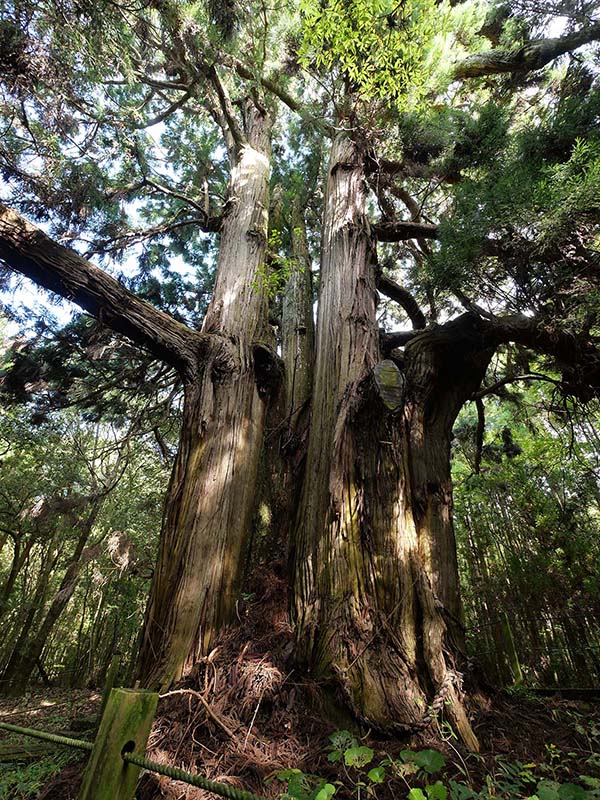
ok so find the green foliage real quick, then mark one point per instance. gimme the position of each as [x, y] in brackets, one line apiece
[51, 470]
[277, 268]
[378, 46]
[509, 780]
[24, 781]
[526, 202]
[527, 527]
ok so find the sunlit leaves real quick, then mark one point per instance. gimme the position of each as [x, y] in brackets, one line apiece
[378, 46]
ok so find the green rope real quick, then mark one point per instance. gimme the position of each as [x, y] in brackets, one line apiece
[222, 789]
[49, 737]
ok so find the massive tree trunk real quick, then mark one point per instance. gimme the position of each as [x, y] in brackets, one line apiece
[211, 497]
[376, 600]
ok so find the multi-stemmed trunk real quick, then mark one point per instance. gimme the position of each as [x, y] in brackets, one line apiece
[376, 590]
[211, 496]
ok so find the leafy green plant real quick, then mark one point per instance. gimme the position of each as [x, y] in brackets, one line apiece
[421, 775]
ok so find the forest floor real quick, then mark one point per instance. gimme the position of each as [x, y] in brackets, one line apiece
[245, 717]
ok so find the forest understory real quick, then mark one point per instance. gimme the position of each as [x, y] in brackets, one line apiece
[244, 716]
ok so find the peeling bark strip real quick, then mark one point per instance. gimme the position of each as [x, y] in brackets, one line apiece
[531, 56]
[211, 495]
[369, 582]
[26, 249]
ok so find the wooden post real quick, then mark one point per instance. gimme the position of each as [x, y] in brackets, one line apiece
[125, 727]
[111, 674]
[511, 650]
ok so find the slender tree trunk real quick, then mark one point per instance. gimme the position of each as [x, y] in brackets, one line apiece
[285, 445]
[211, 497]
[19, 558]
[36, 606]
[24, 657]
[376, 590]
[297, 325]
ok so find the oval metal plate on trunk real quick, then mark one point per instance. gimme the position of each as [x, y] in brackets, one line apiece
[390, 384]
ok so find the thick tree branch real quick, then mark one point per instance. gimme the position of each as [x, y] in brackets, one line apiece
[26, 249]
[403, 297]
[162, 116]
[531, 56]
[401, 231]
[575, 355]
[226, 108]
[389, 341]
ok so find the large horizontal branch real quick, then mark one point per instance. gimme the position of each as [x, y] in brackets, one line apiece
[403, 297]
[577, 358]
[27, 250]
[468, 340]
[401, 231]
[531, 56]
[389, 341]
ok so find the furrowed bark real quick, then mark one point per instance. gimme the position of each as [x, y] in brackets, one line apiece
[297, 324]
[26, 249]
[368, 580]
[531, 56]
[211, 497]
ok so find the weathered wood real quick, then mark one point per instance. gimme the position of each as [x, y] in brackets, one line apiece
[390, 384]
[376, 583]
[125, 727]
[212, 493]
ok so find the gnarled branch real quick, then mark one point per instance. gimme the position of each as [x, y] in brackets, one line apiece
[27, 250]
[401, 231]
[403, 297]
[531, 56]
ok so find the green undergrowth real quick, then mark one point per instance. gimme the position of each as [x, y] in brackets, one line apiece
[23, 781]
[425, 774]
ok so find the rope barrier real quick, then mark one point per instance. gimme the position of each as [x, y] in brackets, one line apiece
[79, 744]
[221, 789]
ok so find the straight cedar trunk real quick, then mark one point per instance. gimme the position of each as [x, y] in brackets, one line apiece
[20, 553]
[27, 651]
[211, 496]
[376, 598]
[297, 324]
[37, 603]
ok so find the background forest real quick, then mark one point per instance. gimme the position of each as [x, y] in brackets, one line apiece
[300, 379]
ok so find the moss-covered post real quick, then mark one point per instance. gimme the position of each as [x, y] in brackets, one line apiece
[125, 727]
